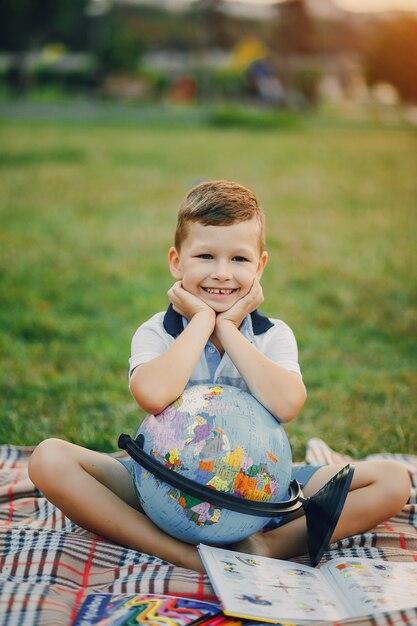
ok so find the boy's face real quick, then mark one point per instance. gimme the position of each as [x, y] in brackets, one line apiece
[219, 263]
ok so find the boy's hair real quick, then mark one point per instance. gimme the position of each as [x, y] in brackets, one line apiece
[218, 203]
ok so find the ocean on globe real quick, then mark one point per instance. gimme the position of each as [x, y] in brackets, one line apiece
[221, 437]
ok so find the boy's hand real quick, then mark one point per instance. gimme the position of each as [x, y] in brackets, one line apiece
[237, 313]
[186, 304]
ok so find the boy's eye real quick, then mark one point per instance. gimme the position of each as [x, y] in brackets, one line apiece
[239, 259]
[204, 256]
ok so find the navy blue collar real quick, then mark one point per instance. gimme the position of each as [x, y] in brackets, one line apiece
[174, 326]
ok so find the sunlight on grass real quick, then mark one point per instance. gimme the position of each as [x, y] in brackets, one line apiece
[88, 212]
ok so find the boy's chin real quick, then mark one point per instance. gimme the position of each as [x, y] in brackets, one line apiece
[220, 308]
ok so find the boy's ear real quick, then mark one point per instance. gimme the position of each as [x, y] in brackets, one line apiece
[263, 260]
[174, 263]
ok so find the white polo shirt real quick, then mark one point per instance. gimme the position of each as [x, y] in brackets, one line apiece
[271, 336]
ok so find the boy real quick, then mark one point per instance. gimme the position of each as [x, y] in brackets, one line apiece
[211, 333]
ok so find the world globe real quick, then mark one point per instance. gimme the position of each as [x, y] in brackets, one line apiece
[223, 438]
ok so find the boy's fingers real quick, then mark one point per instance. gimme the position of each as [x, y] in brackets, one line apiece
[246, 305]
[175, 286]
[174, 291]
[256, 287]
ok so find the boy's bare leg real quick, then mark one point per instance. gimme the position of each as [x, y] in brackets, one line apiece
[95, 491]
[378, 491]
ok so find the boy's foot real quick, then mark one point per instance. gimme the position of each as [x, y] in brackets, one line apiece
[255, 544]
[189, 558]
[322, 512]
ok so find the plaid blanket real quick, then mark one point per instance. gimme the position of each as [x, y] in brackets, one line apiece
[48, 565]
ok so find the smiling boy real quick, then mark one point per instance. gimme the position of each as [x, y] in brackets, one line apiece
[211, 333]
[218, 260]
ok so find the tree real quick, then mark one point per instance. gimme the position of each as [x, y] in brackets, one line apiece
[294, 28]
[118, 48]
[392, 57]
[28, 24]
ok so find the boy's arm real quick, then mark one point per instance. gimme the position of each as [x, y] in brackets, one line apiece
[282, 392]
[162, 380]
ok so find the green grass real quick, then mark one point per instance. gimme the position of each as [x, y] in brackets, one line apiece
[87, 215]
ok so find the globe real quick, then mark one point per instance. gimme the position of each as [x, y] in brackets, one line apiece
[221, 437]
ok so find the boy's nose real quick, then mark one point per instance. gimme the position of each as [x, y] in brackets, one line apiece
[221, 271]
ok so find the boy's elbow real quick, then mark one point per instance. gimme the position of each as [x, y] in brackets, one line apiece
[147, 400]
[148, 396]
[153, 409]
[294, 404]
[287, 415]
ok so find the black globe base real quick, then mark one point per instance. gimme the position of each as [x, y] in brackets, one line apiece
[323, 511]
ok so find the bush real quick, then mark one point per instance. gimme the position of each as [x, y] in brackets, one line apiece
[119, 50]
[67, 80]
[228, 83]
[305, 82]
[244, 117]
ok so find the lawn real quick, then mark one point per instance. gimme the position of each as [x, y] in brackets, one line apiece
[87, 216]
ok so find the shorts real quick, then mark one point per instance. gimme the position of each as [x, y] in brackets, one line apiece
[301, 473]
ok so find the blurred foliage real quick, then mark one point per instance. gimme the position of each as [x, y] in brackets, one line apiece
[28, 24]
[70, 81]
[118, 49]
[293, 29]
[160, 82]
[226, 83]
[159, 28]
[305, 82]
[235, 116]
[295, 42]
[391, 56]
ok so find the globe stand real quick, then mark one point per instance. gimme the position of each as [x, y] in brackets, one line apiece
[322, 510]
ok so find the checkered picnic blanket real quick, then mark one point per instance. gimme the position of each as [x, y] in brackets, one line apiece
[48, 565]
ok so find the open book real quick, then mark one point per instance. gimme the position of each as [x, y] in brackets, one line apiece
[270, 590]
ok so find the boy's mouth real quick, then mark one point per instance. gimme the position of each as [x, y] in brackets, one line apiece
[218, 291]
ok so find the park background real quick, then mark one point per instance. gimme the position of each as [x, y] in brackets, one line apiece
[111, 111]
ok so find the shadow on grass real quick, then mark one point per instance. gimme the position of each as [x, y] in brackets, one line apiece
[37, 157]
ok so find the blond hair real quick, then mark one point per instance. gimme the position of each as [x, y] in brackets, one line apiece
[218, 203]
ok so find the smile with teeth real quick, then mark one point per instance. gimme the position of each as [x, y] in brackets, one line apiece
[219, 292]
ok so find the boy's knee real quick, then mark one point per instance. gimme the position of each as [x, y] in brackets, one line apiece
[395, 481]
[46, 462]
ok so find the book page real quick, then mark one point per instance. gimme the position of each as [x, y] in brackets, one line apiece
[374, 585]
[267, 589]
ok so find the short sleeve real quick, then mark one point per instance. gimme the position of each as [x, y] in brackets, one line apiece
[149, 341]
[280, 345]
